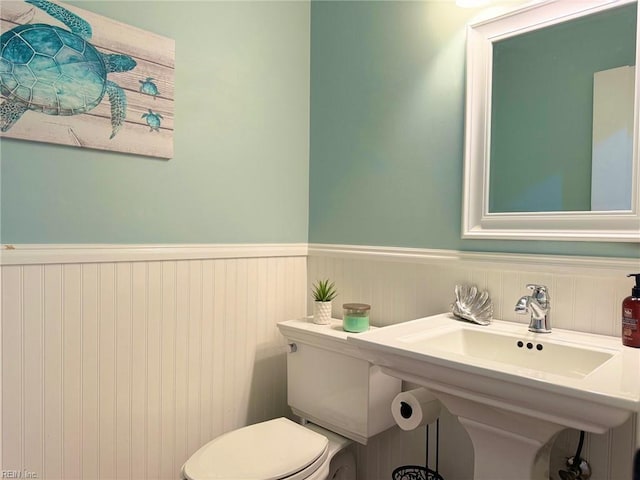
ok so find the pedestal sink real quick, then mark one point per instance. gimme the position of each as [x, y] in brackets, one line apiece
[511, 389]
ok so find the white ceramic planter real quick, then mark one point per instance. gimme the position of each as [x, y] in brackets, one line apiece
[322, 313]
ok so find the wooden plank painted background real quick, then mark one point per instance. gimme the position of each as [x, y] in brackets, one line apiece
[155, 57]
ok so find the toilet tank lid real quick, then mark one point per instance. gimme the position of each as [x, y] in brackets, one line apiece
[269, 450]
[328, 337]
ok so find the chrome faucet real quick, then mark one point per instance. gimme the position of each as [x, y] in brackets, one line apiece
[539, 304]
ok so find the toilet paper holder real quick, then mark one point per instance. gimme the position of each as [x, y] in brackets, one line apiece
[412, 409]
[406, 410]
[418, 472]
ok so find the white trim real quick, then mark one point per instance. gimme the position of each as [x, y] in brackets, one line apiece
[405, 254]
[502, 261]
[477, 221]
[37, 254]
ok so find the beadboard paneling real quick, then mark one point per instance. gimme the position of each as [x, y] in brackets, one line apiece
[403, 284]
[119, 362]
[121, 370]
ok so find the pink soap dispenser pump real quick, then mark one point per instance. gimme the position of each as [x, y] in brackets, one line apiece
[631, 315]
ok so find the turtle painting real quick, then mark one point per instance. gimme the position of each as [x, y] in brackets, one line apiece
[153, 120]
[147, 86]
[55, 71]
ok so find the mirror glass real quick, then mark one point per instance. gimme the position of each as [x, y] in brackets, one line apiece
[546, 87]
[551, 132]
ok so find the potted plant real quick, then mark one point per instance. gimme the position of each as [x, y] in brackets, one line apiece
[324, 292]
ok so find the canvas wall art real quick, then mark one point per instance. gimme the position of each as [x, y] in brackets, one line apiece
[72, 77]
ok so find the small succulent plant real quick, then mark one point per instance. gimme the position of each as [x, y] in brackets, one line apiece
[324, 291]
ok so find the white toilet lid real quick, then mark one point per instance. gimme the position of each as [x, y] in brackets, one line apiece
[269, 450]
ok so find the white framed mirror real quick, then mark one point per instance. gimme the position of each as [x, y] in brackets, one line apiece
[542, 158]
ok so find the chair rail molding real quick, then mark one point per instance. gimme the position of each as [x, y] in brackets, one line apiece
[31, 254]
[492, 260]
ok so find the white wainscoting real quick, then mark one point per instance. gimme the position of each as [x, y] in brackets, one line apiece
[118, 362]
[403, 283]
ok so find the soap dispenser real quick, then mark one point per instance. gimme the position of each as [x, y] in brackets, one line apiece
[631, 315]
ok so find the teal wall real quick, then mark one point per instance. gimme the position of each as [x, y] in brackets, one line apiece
[240, 170]
[543, 89]
[381, 166]
[387, 130]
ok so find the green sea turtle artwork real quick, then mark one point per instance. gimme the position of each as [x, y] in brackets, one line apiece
[55, 71]
[153, 120]
[147, 86]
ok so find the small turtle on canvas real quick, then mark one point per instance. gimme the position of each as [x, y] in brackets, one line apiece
[153, 120]
[147, 86]
[51, 70]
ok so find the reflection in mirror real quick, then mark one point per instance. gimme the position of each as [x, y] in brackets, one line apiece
[551, 131]
[612, 150]
[542, 115]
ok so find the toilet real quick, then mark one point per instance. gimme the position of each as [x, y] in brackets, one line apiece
[339, 397]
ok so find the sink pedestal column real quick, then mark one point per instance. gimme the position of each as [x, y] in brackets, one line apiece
[506, 445]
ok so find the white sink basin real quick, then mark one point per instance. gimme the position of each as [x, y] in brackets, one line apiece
[510, 388]
[513, 350]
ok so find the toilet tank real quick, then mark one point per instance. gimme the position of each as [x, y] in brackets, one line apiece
[330, 384]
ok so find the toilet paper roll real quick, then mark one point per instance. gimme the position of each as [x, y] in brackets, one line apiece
[414, 408]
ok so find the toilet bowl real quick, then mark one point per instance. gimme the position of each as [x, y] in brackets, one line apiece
[340, 398]
[278, 449]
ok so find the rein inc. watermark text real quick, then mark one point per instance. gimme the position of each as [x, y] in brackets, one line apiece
[18, 474]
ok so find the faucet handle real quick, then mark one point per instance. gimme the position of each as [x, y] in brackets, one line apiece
[540, 292]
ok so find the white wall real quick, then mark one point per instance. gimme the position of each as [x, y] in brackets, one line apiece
[403, 284]
[118, 363]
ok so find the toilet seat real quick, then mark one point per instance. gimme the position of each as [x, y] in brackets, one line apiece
[277, 449]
